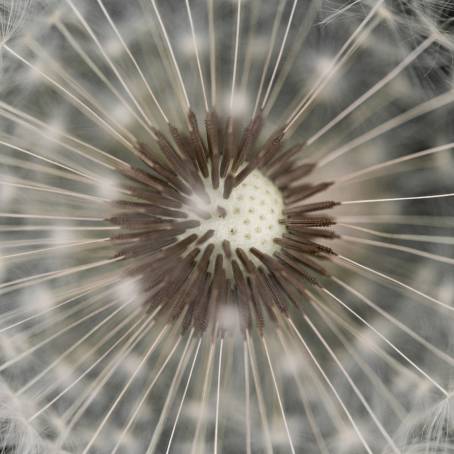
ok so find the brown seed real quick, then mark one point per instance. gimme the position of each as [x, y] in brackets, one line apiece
[186, 274]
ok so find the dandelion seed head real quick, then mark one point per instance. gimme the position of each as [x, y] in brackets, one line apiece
[214, 230]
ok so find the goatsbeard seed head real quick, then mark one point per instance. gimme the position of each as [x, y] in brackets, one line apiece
[223, 224]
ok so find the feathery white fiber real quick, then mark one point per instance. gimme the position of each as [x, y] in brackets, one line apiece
[226, 226]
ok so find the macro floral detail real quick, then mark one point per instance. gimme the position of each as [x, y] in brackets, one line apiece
[226, 226]
[186, 237]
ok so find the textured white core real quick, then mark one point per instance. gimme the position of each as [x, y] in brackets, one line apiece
[248, 218]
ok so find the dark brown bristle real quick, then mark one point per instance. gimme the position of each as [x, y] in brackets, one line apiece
[197, 144]
[183, 146]
[172, 157]
[185, 269]
[229, 147]
[297, 194]
[205, 237]
[301, 257]
[212, 130]
[229, 185]
[250, 136]
[274, 289]
[308, 221]
[266, 294]
[315, 232]
[283, 178]
[155, 200]
[245, 261]
[227, 249]
[283, 156]
[289, 244]
[146, 194]
[148, 157]
[243, 297]
[257, 307]
[309, 207]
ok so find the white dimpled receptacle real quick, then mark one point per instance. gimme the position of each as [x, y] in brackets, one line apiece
[249, 217]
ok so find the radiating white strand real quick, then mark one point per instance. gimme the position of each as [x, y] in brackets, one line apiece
[90, 178]
[71, 96]
[74, 347]
[274, 30]
[43, 216]
[61, 318]
[80, 405]
[92, 65]
[23, 282]
[132, 58]
[421, 109]
[441, 354]
[249, 46]
[294, 51]
[53, 228]
[399, 352]
[325, 78]
[205, 390]
[258, 390]
[396, 247]
[81, 291]
[331, 317]
[95, 363]
[412, 220]
[306, 405]
[41, 127]
[354, 387]
[320, 389]
[172, 55]
[408, 157]
[79, 90]
[340, 11]
[53, 248]
[13, 15]
[43, 131]
[150, 387]
[332, 387]
[17, 165]
[184, 394]
[164, 412]
[196, 48]
[38, 242]
[395, 281]
[126, 387]
[212, 41]
[279, 57]
[109, 61]
[398, 199]
[337, 62]
[54, 190]
[402, 236]
[53, 386]
[235, 57]
[248, 399]
[37, 346]
[276, 388]
[374, 89]
[218, 397]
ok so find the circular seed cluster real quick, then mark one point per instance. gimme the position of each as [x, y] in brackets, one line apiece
[221, 224]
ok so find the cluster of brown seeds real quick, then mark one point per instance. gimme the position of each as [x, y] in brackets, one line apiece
[184, 271]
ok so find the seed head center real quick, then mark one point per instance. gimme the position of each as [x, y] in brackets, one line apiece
[249, 217]
[223, 224]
